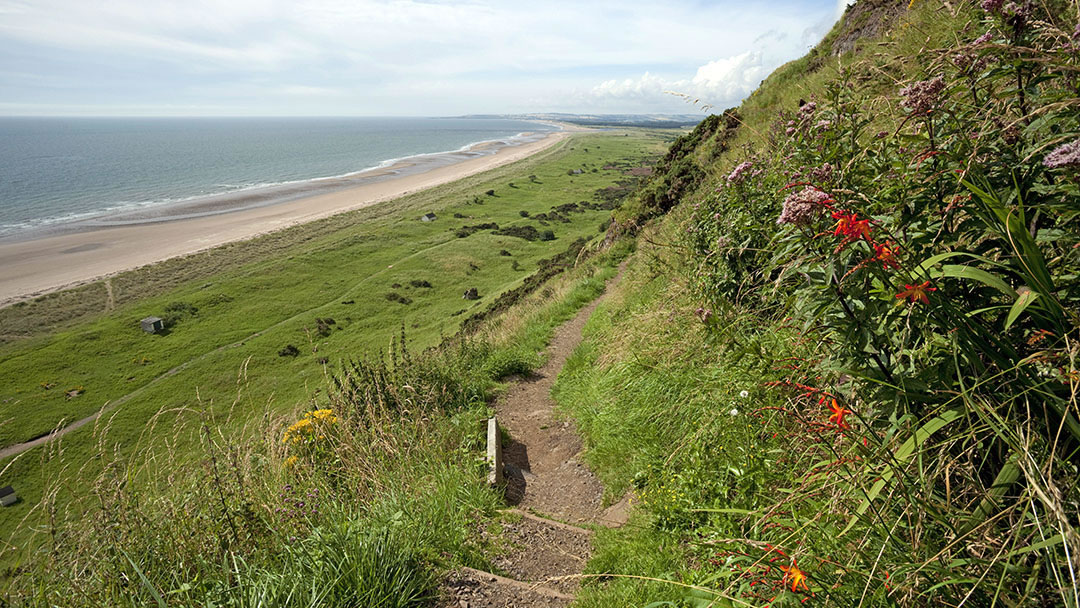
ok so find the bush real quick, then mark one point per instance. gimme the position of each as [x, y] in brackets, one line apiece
[289, 350]
[394, 296]
[466, 231]
[547, 235]
[529, 233]
[178, 311]
[324, 327]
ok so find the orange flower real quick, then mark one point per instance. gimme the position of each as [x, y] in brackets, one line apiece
[850, 227]
[838, 413]
[886, 254]
[796, 577]
[917, 293]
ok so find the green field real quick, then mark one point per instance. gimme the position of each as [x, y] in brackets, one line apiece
[333, 290]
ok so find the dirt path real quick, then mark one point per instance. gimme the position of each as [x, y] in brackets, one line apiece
[110, 300]
[548, 484]
[544, 469]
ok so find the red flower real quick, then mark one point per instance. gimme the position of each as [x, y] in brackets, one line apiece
[838, 413]
[795, 576]
[917, 293]
[886, 254]
[850, 227]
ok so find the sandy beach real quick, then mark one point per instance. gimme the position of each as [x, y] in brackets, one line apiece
[34, 267]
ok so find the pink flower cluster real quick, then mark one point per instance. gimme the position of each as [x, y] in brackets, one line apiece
[802, 119]
[1018, 13]
[739, 173]
[823, 173]
[1065, 155]
[800, 208]
[923, 96]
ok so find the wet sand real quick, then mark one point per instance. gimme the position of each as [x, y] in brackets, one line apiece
[34, 267]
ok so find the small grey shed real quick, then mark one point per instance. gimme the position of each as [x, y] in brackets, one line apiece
[152, 325]
[7, 496]
[428, 217]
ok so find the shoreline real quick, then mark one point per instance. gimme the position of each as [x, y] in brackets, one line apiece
[263, 194]
[35, 267]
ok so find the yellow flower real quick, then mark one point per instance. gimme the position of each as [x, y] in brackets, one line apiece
[291, 461]
[304, 428]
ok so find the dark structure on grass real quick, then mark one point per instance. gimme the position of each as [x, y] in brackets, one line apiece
[7, 496]
[428, 217]
[152, 325]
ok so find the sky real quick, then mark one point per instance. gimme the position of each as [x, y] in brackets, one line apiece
[394, 57]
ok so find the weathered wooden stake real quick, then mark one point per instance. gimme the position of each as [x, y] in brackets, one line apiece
[494, 453]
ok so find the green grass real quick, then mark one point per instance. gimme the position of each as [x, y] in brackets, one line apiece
[255, 298]
[636, 569]
[369, 518]
[652, 389]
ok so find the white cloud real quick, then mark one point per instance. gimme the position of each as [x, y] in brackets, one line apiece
[730, 78]
[720, 83]
[398, 56]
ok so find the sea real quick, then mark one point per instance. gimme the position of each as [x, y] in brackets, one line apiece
[65, 174]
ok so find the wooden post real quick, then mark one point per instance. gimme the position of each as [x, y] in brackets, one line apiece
[494, 453]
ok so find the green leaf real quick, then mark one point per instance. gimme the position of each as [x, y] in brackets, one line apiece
[1010, 225]
[1006, 477]
[1026, 298]
[734, 511]
[1056, 539]
[145, 582]
[978, 274]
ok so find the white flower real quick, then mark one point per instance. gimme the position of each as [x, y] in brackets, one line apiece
[744, 394]
[734, 412]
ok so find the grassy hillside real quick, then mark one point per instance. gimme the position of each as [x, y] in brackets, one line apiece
[356, 498]
[842, 370]
[269, 319]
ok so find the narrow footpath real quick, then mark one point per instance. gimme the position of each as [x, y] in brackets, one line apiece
[551, 493]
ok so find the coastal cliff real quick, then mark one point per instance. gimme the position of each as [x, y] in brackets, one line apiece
[834, 363]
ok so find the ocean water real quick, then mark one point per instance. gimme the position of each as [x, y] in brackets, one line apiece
[62, 173]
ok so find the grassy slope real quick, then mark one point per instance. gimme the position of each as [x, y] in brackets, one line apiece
[652, 390]
[247, 312]
[658, 393]
[373, 531]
